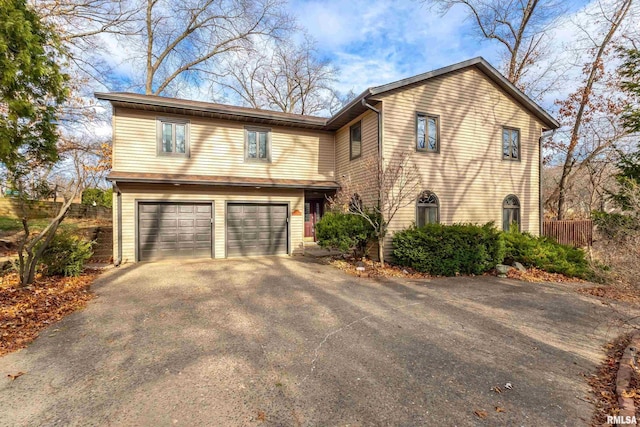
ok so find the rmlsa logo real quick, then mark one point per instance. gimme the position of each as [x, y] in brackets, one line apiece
[619, 419]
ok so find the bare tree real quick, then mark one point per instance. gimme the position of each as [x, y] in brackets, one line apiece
[586, 107]
[286, 77]
[181, 39]
[32, 245]
[397, 184]
[519, 26]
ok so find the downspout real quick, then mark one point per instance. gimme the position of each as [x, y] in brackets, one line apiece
[380, 163]
[380, 160]
[118, 260]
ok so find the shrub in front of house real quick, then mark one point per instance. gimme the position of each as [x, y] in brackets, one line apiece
[447, 250]
[66, 255]
[343, 231]
[546, 254]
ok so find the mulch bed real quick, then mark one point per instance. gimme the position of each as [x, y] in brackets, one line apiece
[24, 312]
[535, 275]
[603, 382]
[373, 269]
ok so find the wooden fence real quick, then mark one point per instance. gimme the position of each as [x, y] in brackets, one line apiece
[577, 233]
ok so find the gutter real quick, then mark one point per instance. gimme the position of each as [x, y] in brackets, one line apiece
[118, 259]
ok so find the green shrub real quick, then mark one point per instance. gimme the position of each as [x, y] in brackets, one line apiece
[92, 195]
[66, 255]
[447, 250]
[546, 254]
[615, 225]
[98, 196]
[107, 198]
[343, 231]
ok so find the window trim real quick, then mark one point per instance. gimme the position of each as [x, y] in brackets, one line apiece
[415, 140]
[418, 206]
[351, 157]
[248, 129]
[518, 208]
[510, 158]
[160, 121]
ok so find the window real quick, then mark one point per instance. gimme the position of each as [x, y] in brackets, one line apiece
[510, 144]
[427, 133]
[427, 209]
[355, 141]
[258, 143]
[510, 212]
[173, 137]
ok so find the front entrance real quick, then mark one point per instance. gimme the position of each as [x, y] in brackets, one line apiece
[313, 210]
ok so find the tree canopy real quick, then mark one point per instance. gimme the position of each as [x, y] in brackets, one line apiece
[31, 86]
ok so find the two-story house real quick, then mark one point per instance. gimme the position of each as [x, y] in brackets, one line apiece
[197, 179]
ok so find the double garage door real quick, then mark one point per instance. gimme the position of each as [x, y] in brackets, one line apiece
[185, 230]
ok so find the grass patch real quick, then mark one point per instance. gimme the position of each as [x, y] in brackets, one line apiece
[15, 224]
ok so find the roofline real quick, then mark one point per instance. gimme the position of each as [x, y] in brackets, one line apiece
[178, 181]
[325, 124]
[488, 69]
[159, 101]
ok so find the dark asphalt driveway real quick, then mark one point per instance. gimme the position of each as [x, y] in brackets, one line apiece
[280, 341]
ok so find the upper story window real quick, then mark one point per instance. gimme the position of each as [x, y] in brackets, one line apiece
[355, 141]
[427, 133]
[510, 144]
[427, 209]
[173, 137]
[257, 144]
[510, 212]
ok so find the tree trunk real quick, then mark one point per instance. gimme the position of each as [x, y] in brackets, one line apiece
[381, 250]
[585, 98]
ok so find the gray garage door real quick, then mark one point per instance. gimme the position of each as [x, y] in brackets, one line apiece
[256, 229]
[174, 230]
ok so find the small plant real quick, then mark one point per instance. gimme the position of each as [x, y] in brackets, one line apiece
[447, 250]
[344, 231]
[66, 255]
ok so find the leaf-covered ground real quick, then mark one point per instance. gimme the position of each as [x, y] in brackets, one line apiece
[603, 383]
[24, 312]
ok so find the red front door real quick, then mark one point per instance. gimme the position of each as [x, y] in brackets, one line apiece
[312, 214]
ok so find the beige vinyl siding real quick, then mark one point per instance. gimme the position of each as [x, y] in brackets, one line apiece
[217, 148]
[358, 175]
[218, 195]
[468, 174]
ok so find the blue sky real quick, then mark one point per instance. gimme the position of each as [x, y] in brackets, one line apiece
[376, 41]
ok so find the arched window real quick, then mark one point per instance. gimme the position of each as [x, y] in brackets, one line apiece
[427, 209]
[355, 204]
[510, 212]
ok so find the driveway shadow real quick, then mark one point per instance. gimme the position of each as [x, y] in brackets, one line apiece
[282, 341]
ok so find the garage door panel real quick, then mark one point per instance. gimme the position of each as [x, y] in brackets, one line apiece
[174, 230]
[256, 229]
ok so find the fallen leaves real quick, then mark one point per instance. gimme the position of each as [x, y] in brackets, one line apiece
[538, 276]
[500, 409]
[14, 376]
[603, 382]
[373, 269]
[480, 413]
[614, 291]
[24, 312]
